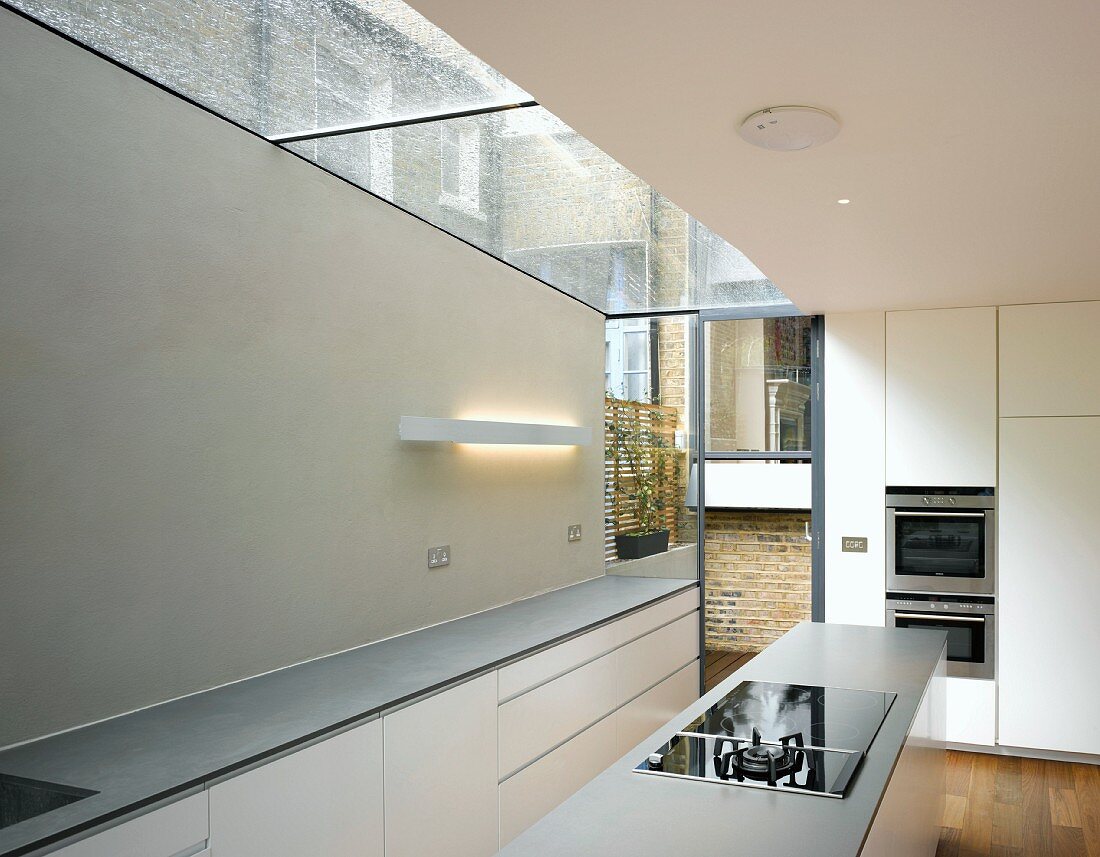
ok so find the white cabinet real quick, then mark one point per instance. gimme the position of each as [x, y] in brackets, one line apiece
[971, 711]
[636, 720]
[1049, 573]
[539, 720]
[441, 773]
[646, 661]
[941, 397]
[538, 788]
[1049, 354]
[180, 827]
[325, 799]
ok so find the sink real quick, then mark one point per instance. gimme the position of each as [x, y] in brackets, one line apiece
[21, 799]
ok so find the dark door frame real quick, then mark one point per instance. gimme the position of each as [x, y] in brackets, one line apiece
[816, 455]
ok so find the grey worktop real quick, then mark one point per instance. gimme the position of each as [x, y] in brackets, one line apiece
[138, 759]
[624, 813]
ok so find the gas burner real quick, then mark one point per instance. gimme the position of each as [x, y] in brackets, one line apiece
[761, 762]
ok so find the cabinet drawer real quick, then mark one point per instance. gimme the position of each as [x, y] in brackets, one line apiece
[644, 621]
[539, 720]
[537, 789]
[645, 662]
[523, 675]
[537, 669]
[323, 799]
[640, 718]
[164, 832]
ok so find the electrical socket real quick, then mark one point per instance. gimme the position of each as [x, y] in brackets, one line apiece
[574, 532]
[439, 557]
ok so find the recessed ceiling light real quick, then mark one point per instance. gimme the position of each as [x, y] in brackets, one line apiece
[789, 129]
[843, 201]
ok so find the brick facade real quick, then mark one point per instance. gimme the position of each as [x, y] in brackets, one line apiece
[757, 577]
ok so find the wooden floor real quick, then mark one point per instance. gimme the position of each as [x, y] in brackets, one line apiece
[1004, 806]
[721, 665]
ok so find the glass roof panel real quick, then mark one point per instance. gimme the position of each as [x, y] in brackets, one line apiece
[282, 66]
[525, 187]
[519, 184]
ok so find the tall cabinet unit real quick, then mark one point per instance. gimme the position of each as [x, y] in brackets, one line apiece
[941, 397]
[1049, 506]
[941, 431]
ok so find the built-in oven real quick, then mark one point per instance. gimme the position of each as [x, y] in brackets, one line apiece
[941, 540]
[970, 623]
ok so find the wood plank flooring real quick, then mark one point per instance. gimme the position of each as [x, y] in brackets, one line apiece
[1004, 806]
[721, 665]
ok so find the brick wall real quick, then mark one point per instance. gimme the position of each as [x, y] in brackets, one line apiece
[757, 577]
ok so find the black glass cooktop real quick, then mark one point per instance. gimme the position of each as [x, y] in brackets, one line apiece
[781, 736]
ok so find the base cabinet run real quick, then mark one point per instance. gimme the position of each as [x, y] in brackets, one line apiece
[460, 773]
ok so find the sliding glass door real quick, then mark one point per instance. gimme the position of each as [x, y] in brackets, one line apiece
[758, 388]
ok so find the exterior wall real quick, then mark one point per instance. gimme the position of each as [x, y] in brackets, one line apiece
[558, 190]
[207, 344]
[757, 577]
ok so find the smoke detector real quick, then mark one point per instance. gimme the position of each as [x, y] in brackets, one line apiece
[789, 129]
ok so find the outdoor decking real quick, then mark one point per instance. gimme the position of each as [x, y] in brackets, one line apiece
[720, 665]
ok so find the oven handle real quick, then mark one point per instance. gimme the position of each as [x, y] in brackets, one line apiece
[944, 616]
[940, 512]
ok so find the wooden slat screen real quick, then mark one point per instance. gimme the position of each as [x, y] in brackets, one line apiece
[661, 420]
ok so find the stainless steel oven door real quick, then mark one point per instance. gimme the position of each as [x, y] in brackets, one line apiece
[941, 550]
[971, 633]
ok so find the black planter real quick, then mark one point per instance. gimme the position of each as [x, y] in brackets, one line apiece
[632, 546]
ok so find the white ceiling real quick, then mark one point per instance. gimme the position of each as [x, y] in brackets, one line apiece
[970, 145]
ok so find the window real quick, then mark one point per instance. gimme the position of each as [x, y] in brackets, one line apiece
[460, 166]
[627, 351]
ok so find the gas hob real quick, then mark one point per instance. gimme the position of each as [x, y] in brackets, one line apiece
[786, 737]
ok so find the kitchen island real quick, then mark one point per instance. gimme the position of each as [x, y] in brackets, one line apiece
[891, 807]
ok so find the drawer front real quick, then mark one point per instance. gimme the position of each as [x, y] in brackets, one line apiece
[537, 789]
[441, 774]
[523, 675]
[639, 719]
[645, 662]
[644, 621]
[539, 720]
[177, 828]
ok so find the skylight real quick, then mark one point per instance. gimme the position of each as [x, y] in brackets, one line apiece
[504, 174]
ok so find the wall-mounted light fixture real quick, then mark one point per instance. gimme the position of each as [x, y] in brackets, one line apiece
[484, 431]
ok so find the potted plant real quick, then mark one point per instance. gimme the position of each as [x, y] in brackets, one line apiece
[640, 478]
